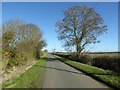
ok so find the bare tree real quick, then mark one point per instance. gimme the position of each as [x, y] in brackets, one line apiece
[31, 37]
[80, 26]
[22, 41]
[10, 33]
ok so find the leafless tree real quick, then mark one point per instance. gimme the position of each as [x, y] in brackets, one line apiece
[80, 26]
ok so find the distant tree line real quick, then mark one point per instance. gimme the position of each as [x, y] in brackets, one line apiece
[21, 42]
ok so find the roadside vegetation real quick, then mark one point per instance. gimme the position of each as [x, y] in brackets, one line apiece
[109, 77]
[22, 45]
[32, 78]
[107, 61]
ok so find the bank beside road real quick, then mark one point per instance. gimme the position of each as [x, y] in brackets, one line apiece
[32, 78]
[108, 77]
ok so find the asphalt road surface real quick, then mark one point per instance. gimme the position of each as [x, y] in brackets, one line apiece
[60, 75]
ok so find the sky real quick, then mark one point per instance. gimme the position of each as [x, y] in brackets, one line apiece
[45, 15]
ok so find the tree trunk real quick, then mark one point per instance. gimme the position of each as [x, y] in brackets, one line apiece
[78, 50]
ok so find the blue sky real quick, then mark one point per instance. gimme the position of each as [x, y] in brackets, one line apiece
[45, 15]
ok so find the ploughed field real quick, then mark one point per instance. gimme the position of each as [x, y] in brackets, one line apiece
[110, 54]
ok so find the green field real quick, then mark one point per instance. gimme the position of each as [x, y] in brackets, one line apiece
[32, 78]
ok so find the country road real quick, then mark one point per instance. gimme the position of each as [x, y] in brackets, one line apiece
[60, 75]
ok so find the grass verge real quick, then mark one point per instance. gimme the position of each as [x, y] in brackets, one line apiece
[32, 78]
[108, 77]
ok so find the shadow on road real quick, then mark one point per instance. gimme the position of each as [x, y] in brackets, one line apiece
[62, 70]
[84, 73]
[51, 59]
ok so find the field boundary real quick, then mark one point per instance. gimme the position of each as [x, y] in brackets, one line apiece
[86, 73]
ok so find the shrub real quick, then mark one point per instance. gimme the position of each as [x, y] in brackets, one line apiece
[107, 62]
[86, 59]
[64, 56]
[12, 62]
[5, 59]
[73, 57]
[21, 43]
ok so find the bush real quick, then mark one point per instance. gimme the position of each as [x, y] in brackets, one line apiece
[21, 44]
[73, 57]
[107, 62]
[86, 59]
[5, 59]
[64, 56]
[83, 58]
[12, 62]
